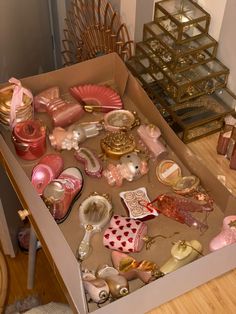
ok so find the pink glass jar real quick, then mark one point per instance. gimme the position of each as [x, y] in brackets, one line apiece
[29, 138]
[223, 140]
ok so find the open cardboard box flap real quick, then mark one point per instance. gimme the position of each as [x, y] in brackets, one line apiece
[60, 242]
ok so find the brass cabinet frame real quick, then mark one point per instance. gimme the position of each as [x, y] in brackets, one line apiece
[194, 56]
[188, 88]
[182, 26]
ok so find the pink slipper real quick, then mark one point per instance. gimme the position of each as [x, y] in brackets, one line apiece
[48, 168]
[61, 193]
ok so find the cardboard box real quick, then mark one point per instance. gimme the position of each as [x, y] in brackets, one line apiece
[61, 241]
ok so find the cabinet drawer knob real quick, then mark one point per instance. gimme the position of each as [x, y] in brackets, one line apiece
[23, 213]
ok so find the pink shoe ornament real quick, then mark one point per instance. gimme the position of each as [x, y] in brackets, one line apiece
[96, 288]
[48, 168]
[62, 111]
[71, 138]
[150, 139]
[131, 167]
[128, 267]
[227, 235]
[179, 208]
[133, 201]
[29, 139]
[92, 164]
[61, 193]
[96, 97]
[118, 284]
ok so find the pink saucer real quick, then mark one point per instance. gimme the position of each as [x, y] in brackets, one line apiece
[48, 168]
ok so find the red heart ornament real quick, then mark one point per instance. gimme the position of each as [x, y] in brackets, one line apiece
[112, 243]
[126, 233]
[114, 231]
[128, 225]
[107, 236]
[118, 237]
[123, 243]
[130, 240]
[118, 222]
[121, 227]
[130, 250]
[120, 248]
[134, 230]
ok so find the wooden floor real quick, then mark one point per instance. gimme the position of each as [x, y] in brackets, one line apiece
[217, 296]
[46, 285]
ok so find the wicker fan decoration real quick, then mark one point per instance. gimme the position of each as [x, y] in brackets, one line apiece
[94, 29]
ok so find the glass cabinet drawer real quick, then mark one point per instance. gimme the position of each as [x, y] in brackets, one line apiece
[183, 20]
[175, 56]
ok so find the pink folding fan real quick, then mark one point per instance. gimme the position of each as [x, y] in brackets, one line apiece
[97, 97]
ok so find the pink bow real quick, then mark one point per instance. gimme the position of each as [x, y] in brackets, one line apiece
[17, 98]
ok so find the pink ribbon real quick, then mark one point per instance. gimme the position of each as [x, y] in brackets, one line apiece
[17, 98]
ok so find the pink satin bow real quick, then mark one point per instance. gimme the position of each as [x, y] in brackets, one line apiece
[17, 98]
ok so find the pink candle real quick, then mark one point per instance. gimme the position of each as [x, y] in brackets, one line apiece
[223, 140]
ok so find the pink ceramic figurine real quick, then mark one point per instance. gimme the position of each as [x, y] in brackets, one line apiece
[226, 236]
[150, 139]
[131, 167]
[96, 288]
[70, 138]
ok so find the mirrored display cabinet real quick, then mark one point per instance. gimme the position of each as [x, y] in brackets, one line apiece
[176, 64]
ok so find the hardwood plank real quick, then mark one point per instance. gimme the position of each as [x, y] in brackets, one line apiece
[46, 285]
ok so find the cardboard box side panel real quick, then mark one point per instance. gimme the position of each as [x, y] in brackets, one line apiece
[89, 72]
[190, 160]
[99, 70]
[174, 284]
[47, 230]
[121, 73]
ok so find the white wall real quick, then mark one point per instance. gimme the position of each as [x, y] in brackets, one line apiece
[128, 15]
[25, 38]
[216, 9]
[227, 42]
